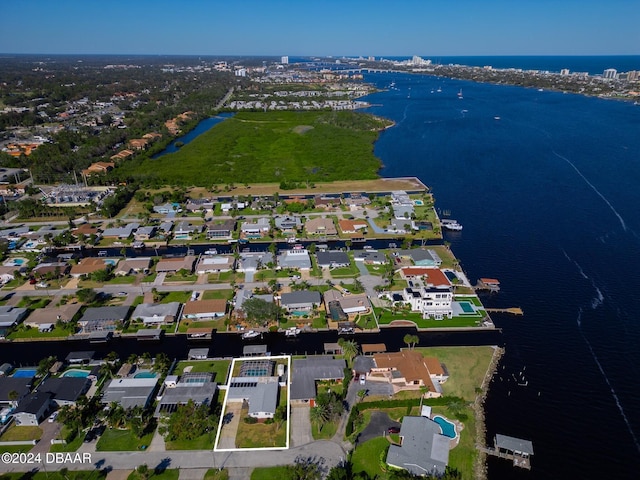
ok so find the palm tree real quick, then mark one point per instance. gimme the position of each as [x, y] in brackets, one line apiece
[349, 349]
[411, 340]
[319, 415]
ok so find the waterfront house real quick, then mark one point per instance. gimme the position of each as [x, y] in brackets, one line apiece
[255, 229]
[205, 309]
[215, 264]
[296, 258]
[253, 261]
[135, 265]
[422, 450]
[324, 201]
[175, 264]
[44, 319]
[352, 226]
[288, 224]
[32, 409]
[145, 233]
[126, 231]
[220, 229]
[260, 393]
[186, 228]
[129, 392]
[196, 387]
[20, 385]
[409, 370]
[422, 257]
[88, 265]
[300, 301]
[10, 316]
[320, 226]
[65, 390]
[307, 371]
[349, 304]
[370, 257]
[333, 259]
[103, 318]
[156, 313]
[431, 295]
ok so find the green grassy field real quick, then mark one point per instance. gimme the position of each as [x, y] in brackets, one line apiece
[267, 147]
[121, 440]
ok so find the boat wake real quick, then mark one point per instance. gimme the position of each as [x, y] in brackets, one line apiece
[595, 303]
[615, 212]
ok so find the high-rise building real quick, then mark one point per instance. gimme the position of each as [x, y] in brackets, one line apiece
[564, 72]
[610, 73]
[633, 75]
[284, 60]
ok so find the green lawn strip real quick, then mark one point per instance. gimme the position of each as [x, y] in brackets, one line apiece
[122, 280]
[219, 367]
[218, 324]
[17, 433]
[181, 297]
[467, 367]
[385, 317]
[72, 446]
[329, 429]
[30, 332]
[215, 474]
[367, 457]
[269, 473]
[226, 294]
[14, 449]
[169, 474]
[121, 440]
[177, 278]
[260, 435]
[203, 442]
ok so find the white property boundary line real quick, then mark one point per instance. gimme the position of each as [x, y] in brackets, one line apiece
[226, 395]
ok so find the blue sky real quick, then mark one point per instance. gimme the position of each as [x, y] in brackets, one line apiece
[322, 27]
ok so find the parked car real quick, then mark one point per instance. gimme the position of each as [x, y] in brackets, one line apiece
[393, 430]
[53, 417]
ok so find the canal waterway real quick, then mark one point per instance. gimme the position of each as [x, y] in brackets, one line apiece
[545, 185]
[199, 129]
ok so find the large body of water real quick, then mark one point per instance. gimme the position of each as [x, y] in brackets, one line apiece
[545, 185]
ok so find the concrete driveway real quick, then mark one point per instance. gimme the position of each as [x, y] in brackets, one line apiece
[300, 425]
[49, 432]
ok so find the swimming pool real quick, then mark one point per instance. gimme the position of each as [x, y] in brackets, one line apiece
[182, 236]
[448, 428]
[15, 262]
[76, 373]
[25, 373]
[145, 374]
[418, 203]
[466, 307]
[110, 261]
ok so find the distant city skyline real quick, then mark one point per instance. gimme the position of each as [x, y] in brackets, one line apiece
[331, 27]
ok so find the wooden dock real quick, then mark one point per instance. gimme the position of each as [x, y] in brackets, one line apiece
[518, 461]
[512, 310]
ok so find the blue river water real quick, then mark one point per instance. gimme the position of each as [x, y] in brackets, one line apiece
[545, 185]
[202, 127]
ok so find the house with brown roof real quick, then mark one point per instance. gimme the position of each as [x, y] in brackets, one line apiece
[429, 276]
[98, 168]
[320, 226]
[87, 266]
[85, 229]
[130, 266]
[46, 318]
[122, 155]
[51, 269]
[138, 143]
[352, 226]
[326, 202]
[204, 309]
[408, 370]
[175, 264]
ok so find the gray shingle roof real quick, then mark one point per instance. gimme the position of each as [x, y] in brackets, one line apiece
[306, 371]
[301, 297]
[514, 444]
[105, 313]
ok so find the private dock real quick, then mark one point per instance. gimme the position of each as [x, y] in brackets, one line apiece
[511, 310]
[517, 450]
[491, 284]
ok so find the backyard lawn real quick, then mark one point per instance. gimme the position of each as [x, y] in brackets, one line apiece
[122, 440]
[219, 367]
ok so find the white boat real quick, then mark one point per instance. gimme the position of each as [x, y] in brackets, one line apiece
[439, 90]
[454, 226]
[211, 251]
[292, 240]
[496, 118]
[460, 94]
[250, 334]
[292, 332]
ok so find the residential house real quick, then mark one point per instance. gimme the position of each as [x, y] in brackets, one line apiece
[165, 227]
[98, 168]
[85, 229]
[407, 370]
[126, 231]
[196, 387]
[326, 201]
[215, 264]
[350, 304]
[307, 371]
[145, 233]
[205, 309]
[356, 201]
[423, 450]
[242, 295]
[21, 386]
[10, 316]
[288, 224]
[255, 229]
[129, 392]
[261, 394]
[297, 258]
[300, 301]
[7, 273]
[175, 264]
[432, 295]
[220, 229]
[130, 266]
[65, 390]
[186, 228]
[44, 319]
[370, 257]
[352, 226]
[138, 143]
[227, 207]
[32, 409]
[198, 204]
[333, 259]
[253, 261]
[88, 265]
[422, 257]
[320, 226]
[96, 319]
[122, 155]
[156, 313]
[167, 208]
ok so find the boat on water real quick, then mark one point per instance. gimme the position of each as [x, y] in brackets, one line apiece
[292, 240]
[292, 332]
[452, 225]
[138, 245]
[211, 251]
[439, 90]
[460, 94]
[250, 334]
[496, 118]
